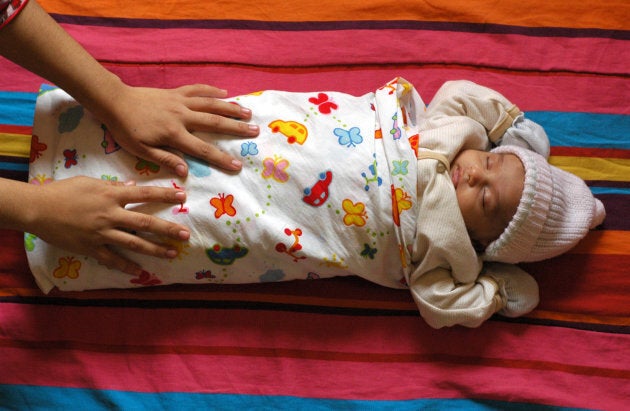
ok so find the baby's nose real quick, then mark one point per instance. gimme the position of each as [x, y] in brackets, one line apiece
[475, 176]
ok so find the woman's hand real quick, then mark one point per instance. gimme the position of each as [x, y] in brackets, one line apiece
[86, 216]
[145, 121]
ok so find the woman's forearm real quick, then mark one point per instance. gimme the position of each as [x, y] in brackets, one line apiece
[36, 42]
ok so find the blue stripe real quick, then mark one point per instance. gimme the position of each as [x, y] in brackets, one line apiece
[14, 166]
[39, 398]
[610, 190]
[585, 130]
[17, 109]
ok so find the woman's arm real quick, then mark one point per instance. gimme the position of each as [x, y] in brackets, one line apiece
[143, 120]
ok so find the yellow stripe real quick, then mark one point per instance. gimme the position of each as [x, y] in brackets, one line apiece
[594, 168]
[15, 145]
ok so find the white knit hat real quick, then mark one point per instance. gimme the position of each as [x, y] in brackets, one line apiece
[555, 212]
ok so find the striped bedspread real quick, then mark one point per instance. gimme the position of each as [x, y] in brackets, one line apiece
[341, 343]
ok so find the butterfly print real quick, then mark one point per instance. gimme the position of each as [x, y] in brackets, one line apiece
[276, 169]
[146, 167]
[349, 138]
[401, 201]
[368, 251]
[223, 205]
[249, 148]
[203, 274]
[324, 105]
[71, 158]
[400, 167]
[68, 267]
[355, 213]
[36, 149]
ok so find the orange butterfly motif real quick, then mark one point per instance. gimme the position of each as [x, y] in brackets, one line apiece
[401, 201]
[68, 267]
[355, 213]
[223, 205]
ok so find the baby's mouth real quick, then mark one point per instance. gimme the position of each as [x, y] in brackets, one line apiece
[455, 175]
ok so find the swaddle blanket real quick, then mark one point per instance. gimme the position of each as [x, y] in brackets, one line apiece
[327, 189]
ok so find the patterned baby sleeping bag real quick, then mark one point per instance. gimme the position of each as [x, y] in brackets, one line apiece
[328, 188]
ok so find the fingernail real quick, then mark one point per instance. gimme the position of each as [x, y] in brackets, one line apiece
[237, 164]
[254, 128]
[171, 253]
[180, 170]
[180, 196]
[245, 111]
[184, 235]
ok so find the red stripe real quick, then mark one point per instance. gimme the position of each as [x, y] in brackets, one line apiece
[590, 152]
[583, 283]
[12, 129]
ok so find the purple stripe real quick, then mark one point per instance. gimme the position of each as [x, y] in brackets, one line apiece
[607, 183]
[617, 211]
[14, 175]
[344, 25]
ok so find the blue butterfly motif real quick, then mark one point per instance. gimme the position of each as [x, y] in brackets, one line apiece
[400, 167]
[249, 148]
[349, 138]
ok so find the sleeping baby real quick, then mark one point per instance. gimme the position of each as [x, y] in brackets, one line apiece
[442, 200]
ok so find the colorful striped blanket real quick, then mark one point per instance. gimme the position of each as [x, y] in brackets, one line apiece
[340, 343]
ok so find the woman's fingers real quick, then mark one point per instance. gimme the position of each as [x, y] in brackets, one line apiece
[143, 194]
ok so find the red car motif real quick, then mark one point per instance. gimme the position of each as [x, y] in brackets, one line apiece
[318, 194]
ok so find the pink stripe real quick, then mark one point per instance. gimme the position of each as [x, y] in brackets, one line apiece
[317, 48]
[317, 356]
[558, 91]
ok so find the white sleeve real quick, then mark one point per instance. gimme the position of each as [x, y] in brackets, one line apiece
[468, 103]
[443, 302]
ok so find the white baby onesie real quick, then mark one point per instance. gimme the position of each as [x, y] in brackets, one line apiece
[327, 189]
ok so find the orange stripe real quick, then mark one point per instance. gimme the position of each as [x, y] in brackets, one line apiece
[579, 318]
[154, 295]
[610, 14]
[604, 242]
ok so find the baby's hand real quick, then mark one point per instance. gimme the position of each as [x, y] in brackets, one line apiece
[518, 289]
[87, 216]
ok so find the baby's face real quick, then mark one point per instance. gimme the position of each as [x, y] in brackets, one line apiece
[488, 188]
